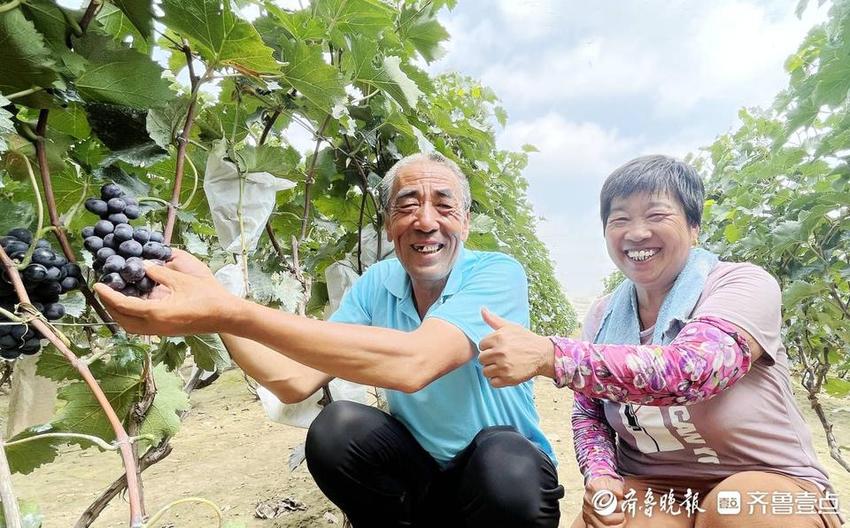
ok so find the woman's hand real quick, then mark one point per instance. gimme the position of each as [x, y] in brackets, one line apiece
[187, 300]
[512, 354]
[600, 495]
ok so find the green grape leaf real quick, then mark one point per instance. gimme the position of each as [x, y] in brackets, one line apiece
[6, 125]
[385, 75]
[26, 457]
[219, 36]
[139, 13]
[52, 364]
[171, 352]
[120, 76]
[50, 20]
[208, 352]
[116, 23]
[70, 120]
[306, 71]
[363, 18]
[164, 124]
[279, 161]
[23, 51]
[423, 31]
[162, 419]
[83, 414]
[799, 290]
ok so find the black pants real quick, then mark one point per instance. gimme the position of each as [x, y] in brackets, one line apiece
[369, 465]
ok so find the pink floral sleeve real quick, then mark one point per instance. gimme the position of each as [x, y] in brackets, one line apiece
[706, 357]
[593, 439]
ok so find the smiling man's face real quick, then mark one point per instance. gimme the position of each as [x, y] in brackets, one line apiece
[428, 222]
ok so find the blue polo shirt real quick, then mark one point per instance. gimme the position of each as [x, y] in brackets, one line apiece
[446, 415]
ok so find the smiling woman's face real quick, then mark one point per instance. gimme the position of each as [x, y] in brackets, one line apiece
[428, 221]
[648, 238]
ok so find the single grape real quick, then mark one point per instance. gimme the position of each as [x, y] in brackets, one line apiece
[114, 281]
[118, 218]
[123, 232]
[110, 190]
[54, 311]
[132, 211]
[145, 284]
[42, 256]
[18, 331]
[166, 253]
[156, 236]
[153, 250]
[103, 228]
[96, 206]
[8, 342]
[134, 270]
[16, 249]
[31, 347]
[87, 231]
[56, 259]
[142, 235]
[104, 253]
[114, 264]
[21, 234]
[34, 273]
[130, 248]
[110, 242]
[73, 270]
[93, 243]
[131, 291]
[69, 283]
[54, 273]
[116, 205]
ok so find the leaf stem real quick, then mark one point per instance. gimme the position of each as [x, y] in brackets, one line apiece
[155, 517]
[22, 93]
[8, 7]
[99, 442]
[122, 440]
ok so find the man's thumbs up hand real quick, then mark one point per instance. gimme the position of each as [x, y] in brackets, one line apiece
[512, 354]
[494, 321]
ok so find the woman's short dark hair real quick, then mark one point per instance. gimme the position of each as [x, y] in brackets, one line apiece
[655, 174]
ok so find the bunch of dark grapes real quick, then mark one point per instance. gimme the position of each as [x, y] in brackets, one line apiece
[46, 277]
[119, 249]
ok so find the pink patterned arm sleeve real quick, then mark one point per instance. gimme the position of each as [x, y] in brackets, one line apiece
[706, 357]
[593, 439]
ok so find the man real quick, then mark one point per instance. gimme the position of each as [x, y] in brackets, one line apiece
[454, 451]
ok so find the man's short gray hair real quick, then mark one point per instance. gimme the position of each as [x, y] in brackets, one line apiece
[655, 174]
[386, 187]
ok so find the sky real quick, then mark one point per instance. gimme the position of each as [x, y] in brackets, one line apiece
[595, 84]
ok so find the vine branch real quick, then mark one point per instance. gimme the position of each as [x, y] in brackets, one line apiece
[122, 439]
[11, 511]
[308, 183]
[183, 142]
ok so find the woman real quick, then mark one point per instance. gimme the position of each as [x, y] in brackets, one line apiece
[681, 382]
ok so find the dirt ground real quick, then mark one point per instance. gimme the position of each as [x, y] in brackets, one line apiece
[229, 453]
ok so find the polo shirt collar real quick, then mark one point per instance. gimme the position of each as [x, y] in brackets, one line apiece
[397, 281]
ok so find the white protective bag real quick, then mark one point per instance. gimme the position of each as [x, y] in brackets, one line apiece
[221, 185]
